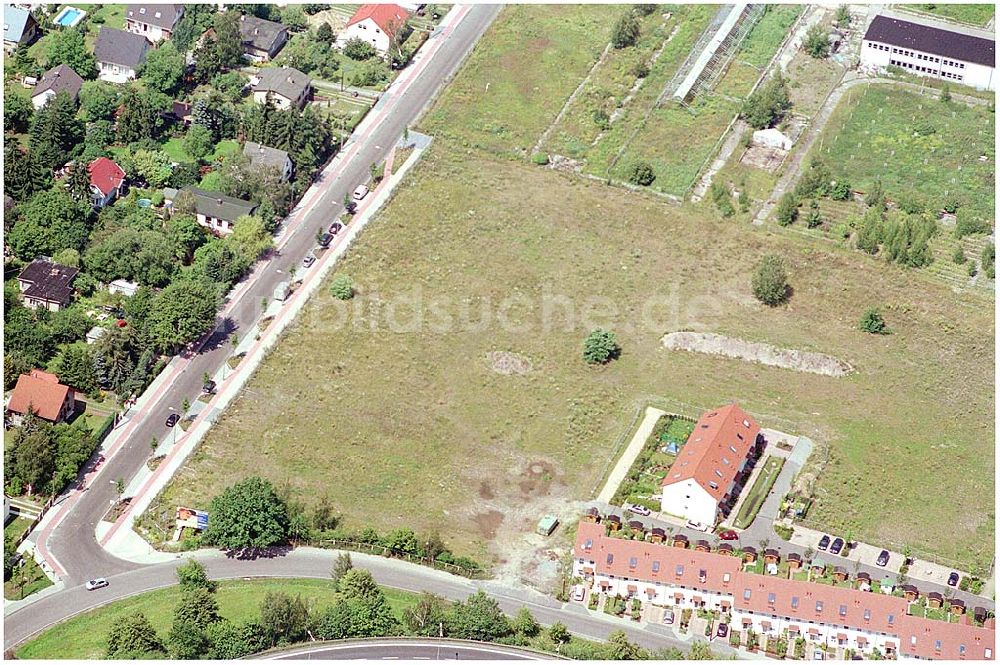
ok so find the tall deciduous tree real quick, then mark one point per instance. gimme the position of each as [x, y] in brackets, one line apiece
[99, 100]
[132, 637]
[49, 222]
[768, 103]
[163, 68]
[182, 312]
[479, 617]
[247, 516]
[66, 46]
[625, 31]
[770, 282]
[283, 617]
[428, 617]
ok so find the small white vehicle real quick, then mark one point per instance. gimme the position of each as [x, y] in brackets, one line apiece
[579, 592]
[637, 509]
[697, 526]
[361, 192]
[98, 583]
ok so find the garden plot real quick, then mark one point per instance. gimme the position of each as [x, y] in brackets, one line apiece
[650, 467]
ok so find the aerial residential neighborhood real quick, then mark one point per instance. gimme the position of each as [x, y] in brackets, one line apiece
[528, 331]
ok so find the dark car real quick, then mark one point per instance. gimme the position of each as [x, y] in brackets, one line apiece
[824, 542]
[335, 228]
[836, 545]
[208, 388]
[723, 630]
[729, 535]
[325, 240]
[172, 419]
[953, 579]
[883, 558]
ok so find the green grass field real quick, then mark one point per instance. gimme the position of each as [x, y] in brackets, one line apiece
[917, 146]
[972, 14]
[84, 637]
[758, 492]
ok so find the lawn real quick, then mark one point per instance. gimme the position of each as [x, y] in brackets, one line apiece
[33, 577]
[919, 147]
[84, 637]
[16, 527]
[520, 75]
[174, 147]
[972, 14]
[758, 492]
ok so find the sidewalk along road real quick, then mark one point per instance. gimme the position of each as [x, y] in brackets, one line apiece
[67, 540]
[28, 621]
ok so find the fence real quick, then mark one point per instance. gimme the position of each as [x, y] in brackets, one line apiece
[382, 550]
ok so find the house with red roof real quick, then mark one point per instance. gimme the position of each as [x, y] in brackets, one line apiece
[378, 25]
[40, 393]
[107, 181]
[700, 484]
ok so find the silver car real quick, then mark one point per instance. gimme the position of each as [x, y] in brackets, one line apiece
[98, 583]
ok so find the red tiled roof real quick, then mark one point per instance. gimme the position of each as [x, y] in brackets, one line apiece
[387, 17]
[921, 638]
[715, 451]
[40, 391]
[105, 175]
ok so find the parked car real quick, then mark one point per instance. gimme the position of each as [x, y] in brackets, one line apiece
[883, 558]
[729, 534]
[668, 617]
[325, 240]
[208, 388]
[579, 592]
[172, 419]
[697, 526]
[308, 260]
[723, 630]
[96, 584]
[818, 655]
[335, 228]
[953, 579]
[637, 509]
[824, 542]
[361, 192]
[836, 545]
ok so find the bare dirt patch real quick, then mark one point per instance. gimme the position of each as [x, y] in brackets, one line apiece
[757, 352]
[486, 491]
[487, 523]
[507, 363]
[762, 157]
[537, 479]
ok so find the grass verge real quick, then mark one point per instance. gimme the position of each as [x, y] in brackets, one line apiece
[758, 492]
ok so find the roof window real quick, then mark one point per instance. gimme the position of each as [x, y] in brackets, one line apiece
[843, 610]
[795, 602]
[819, 606]
[632, 562]
[611, 558]
[679, 570]
[746, 594]
[656, 566]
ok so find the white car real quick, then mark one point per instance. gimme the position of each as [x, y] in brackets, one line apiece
[96, 584]
[579, 592]
[668, 617]
[697, 526]
[637, 509]
[361, 192]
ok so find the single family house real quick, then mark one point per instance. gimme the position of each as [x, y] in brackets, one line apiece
[60, 78]
[263, 156]
[107, 182]
[285, 87]
[378, 25]
[119, 54]
[19, 27]
[154, 22]
[47, 285]
[40, 393]
[262, 40]
[217, 211]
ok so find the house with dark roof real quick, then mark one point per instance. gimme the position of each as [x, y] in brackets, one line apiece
[153, 22]
[119, 54]
[264, 156]
[699, 485]
[47, 285]
[107, 181]
[19, 27]
[41, 394]
[262, 40]
[378, 25]
[285, 87]
[928, 48]
[219, 212]
[60, 78]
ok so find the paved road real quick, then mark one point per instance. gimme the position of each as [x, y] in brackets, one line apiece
[408, 649]
[71, 542]
[25, 622]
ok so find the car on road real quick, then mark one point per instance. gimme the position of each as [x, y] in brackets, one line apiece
[729, 534]
[883, 558]
[579, 592]
[824, 543]
[723, 630]
[308, 260]
[697, 526]
[668, 617]
[361, 192]
[836, 545]
[953, 579]
[325, 239]
[98, 583]
[208, 388]
[335, 228]
[637, 509]
[172, 419]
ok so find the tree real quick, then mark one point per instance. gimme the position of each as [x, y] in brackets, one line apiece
[247, 516]
[141, 115]
[643, 10]
[843, 16]
[250, 239]
[197, 606]
[768, 103]
[371, 72]
[619, 648]
[186, 235]
[50, 221]
[357, 49]
[66, 46]
[600, 347]
[324, 33]
[700, 650]
[29, 454]
[787, 210]
[403, 541]
[56, 132]
[816, 42]
[116, 355]
[229, 641]
[359, 583]
[75, 367]
[163, 68]
[625, 31]
[641, 173]
[341, 566]
[194, 22]
[198, 142]
[284, 618]
[875, 198]
[872, 322]
[192, 575]
[99, 100]
[23, 174]
[132, 636]
[558, 633]
[79, 182]
[770, 283]
[153, 166]
[427, 617]
[524, 623]
[183, 312]
[17, 112]
[480, 618]
[187, 641]
[148, 257]
[294, 18]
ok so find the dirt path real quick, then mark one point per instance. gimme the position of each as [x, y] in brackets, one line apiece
[632, 451]
[757, 352]
[569, 102]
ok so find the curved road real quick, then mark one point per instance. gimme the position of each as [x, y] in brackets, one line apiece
[407, 649]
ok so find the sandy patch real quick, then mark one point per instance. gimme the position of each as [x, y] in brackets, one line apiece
[504, 362]
[757, 352]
